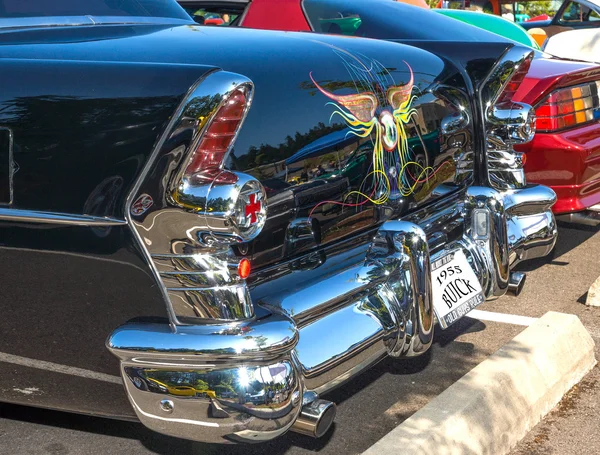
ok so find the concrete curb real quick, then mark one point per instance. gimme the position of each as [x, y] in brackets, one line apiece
[593, 297]
[493, 406]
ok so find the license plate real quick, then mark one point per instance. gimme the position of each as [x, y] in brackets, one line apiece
[456, 289]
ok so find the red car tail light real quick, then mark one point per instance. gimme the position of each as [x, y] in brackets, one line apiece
[515, 82]
[569, 107]
[219, 135]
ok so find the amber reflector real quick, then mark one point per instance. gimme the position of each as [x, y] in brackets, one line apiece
[244, 268]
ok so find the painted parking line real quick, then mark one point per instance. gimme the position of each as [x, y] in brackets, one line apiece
[58, 368]
[514, 319]
[74, 371]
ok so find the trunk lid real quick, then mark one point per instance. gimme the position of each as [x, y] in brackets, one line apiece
[344, 133]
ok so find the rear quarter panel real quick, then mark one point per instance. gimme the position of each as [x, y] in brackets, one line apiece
[80, 135]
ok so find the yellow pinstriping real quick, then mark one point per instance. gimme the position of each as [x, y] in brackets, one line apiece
[402, 116]
[382, 200]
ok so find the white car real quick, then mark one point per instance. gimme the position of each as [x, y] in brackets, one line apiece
[576, 45]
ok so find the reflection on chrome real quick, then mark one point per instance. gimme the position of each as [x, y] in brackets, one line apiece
[257, 388]
[188, 229]
[242, 377]
[318, 326]
[226, 401]
[223, 383]
[507, 123]
[246, 361]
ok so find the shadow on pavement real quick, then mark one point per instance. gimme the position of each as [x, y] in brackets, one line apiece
[570, 236]
[370, 405]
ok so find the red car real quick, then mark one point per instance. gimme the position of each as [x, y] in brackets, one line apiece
[565, 153]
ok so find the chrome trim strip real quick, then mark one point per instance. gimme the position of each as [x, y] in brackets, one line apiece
[178, 222]
[33, 216]
[11, 164]
[11, 23]
[136, 188]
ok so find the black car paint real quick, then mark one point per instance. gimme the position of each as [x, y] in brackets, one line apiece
[85, 106]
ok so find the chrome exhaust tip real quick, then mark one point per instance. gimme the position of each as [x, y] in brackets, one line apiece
[516, 283]
[315, 418]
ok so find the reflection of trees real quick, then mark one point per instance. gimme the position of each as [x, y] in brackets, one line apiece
[330, 86]
[202, 385]
[536, 8]
[200, 380]
[63, 114]
[84, 142]
[266, 154]
[479, 68]
[220, 204]
[202, 106]
[226, 384]
[261, 341]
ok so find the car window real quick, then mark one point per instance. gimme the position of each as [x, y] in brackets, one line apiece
[593, 16]
[214, 14]
[546, 9]
[572, 13]
[387, 19]
[576, 12]
[113, 8]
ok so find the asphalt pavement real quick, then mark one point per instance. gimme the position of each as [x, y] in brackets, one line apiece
[573, 426]
[381, 398]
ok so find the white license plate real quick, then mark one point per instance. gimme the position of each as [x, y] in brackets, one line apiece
[456, 289]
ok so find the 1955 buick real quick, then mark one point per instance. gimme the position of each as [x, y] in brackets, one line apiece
[230, 223]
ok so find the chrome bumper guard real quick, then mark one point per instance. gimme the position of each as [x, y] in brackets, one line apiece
[532, 230]
[218, 364]
[254, 380]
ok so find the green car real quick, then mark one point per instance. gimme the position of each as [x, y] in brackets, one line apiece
[343, 25]
[492, 23]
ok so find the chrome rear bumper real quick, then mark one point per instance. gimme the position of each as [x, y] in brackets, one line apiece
[532, 230]
[317, 326]
[218, 364]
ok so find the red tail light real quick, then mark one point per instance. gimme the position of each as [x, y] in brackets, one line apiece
[514, 83]
[220, 134]
[569, 107]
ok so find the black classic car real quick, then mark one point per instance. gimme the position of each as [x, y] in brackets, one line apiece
[231, 222]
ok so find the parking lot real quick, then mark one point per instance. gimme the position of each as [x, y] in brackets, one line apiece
[378, 400]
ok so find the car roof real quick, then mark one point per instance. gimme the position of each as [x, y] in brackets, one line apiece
[213, 2]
